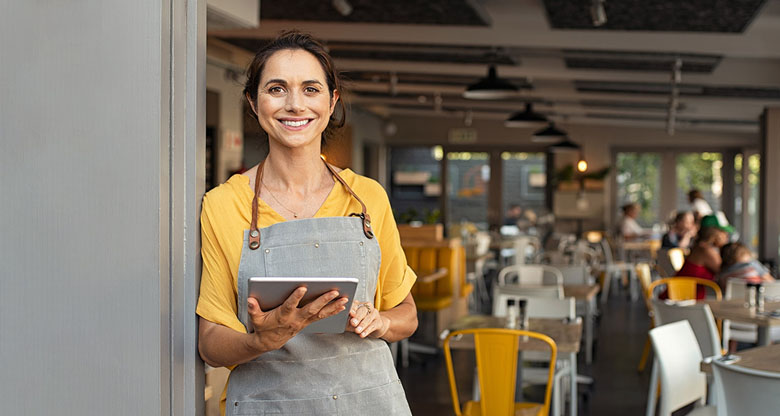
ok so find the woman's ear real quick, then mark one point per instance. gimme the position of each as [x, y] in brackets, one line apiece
[333, 101]
[251, 103]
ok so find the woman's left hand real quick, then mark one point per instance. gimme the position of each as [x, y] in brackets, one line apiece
[365, 320]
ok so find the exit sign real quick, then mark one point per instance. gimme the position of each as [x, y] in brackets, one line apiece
[462, 136]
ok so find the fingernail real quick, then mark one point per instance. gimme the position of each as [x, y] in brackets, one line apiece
[354, 322]
[360, 328]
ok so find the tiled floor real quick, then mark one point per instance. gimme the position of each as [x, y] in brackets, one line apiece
[618, 388]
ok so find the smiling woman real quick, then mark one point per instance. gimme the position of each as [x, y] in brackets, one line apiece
[301, 217]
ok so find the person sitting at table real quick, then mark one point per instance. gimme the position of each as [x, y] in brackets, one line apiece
[740, 263]
[628, 227]
[681, 232]
[704, 261]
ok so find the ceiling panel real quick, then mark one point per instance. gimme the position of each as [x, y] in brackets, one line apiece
[424, 12]
[731, 16]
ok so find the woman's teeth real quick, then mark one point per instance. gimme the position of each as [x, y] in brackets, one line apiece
[292, 123]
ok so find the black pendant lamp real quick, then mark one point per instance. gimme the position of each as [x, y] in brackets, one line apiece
[490, 88]
[526, 118]
[564, 145]
[549, 134]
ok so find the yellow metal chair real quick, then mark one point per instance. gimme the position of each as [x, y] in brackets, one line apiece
[496, 352]
[683, 288]
[645, 279]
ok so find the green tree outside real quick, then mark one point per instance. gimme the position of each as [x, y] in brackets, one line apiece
[638, 180]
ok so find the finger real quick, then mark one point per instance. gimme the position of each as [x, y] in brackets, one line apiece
[314, 307]
[331, 309]
[358, 315]
[366, 322]
[370, 327]
[291, 304]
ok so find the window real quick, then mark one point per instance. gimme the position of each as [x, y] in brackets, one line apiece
[638, 180]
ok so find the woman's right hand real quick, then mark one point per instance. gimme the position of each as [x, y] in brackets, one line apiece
[275, 327]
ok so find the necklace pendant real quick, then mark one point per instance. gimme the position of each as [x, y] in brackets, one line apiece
[295, 215]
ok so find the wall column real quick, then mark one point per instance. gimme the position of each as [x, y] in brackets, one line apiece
[769, 198]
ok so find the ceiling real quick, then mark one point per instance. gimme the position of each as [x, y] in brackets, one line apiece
[409, 57]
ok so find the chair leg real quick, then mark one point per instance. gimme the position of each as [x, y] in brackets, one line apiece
[652, 395]
[645, 354]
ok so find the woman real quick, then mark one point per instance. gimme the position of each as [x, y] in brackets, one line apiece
[681, 232]
[628, 227]
[704, 261]
[300, 216]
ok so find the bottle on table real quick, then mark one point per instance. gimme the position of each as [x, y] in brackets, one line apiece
[512, 314]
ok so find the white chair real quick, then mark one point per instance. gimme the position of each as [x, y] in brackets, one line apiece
[542, 308]
[745, 332]
[700, 317]
[531, 275]
[614, 269]
[678, 359]
[574, 274]
[746, 391]
[549, 292]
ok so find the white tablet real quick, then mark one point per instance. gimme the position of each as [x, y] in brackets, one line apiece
[273, 291]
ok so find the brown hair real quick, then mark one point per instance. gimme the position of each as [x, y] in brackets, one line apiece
[295, 40]
[731, 252]
[707, 233]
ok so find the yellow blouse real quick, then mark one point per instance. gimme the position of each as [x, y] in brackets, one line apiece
[226, 213]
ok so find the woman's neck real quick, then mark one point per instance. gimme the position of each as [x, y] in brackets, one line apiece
[298, 170]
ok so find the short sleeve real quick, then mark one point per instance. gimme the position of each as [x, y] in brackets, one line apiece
[396, 278]
[217, 300]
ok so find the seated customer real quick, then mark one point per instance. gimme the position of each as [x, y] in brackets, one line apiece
[628, 227]
[681, 232]
[704, 261]
[740, 263]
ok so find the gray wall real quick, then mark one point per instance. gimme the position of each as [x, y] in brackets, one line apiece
[98, 184]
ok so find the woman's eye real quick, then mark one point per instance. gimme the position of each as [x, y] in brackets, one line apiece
[276, 90]
[311, 90]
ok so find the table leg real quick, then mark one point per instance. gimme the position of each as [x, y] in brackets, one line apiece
[573, 378]
[763, 335]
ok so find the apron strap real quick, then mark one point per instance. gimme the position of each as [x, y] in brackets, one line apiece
[254, 232]
[363, 214]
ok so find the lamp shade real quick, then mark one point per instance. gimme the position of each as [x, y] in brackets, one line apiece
[490, 88]
[564, 145]
[549, 134]
[526, 118]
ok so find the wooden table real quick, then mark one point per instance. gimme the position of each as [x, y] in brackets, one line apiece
[765, 358]
[586, 294]
[735, 310]
[567, 336]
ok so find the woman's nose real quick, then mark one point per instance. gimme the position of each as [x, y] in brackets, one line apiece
[294, 102]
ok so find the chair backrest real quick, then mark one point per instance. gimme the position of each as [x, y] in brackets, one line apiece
[676, 258]
[496, 352]
[525, 246]
[746, 391]
[531, 275]
[679, 359]
[683, 288]
[645, 277]
[574, 274]
[537, 307]
[606, 251]
[664, 263]
[699, 316]
[545, 292]
[428, 258]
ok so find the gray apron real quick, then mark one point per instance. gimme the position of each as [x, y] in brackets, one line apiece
[315, 374]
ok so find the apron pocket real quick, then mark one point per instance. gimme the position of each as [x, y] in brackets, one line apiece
[385, 400]
[305, 407]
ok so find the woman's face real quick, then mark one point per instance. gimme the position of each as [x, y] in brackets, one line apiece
[293, 102]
